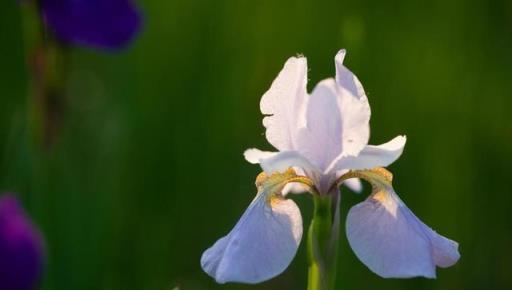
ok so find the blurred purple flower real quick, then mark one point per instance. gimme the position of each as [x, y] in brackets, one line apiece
[109, 24]
[21, 248]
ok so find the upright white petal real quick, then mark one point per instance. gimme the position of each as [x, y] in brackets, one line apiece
[346, 79]
[336, 124]
[354, 108]
[321, 140]
[261, 245]
[284, 104]
[390, 240]
[372, 156]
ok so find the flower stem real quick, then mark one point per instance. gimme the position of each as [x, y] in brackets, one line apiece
[323, 242]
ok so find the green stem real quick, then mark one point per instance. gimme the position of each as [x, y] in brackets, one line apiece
[323, 243]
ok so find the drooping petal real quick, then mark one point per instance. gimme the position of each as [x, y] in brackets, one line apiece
[108, 24]
[261, 245]
[284, 104]
[390, 240]
[372, 156]
[445, 251]
[21, 248]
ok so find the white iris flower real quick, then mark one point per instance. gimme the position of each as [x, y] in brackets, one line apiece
[322, 140]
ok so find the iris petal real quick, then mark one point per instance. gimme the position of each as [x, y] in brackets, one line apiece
[321, 140]
[284, 104]
[255, 156]
[261, 245]
[372, 156]
[390, 240]
[354, 108]
[346, 79]
[286, 159]
[272, 162]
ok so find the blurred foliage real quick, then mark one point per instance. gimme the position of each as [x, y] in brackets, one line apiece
[147, 171]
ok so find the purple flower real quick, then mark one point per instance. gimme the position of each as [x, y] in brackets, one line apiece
[21, 248]
[109, 24]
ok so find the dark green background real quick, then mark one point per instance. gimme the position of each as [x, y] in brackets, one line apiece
[147, 170]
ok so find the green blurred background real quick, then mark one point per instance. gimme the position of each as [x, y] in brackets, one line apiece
[147, 171]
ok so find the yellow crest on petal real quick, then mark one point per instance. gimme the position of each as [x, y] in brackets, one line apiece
[272, 185]
[380, 179]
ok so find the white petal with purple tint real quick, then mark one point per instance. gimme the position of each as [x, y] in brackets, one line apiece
[354, 108]
[372, 156]
[283, 104]
[390, 240]
[255, 156]
[286, 159]
[261, 245]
